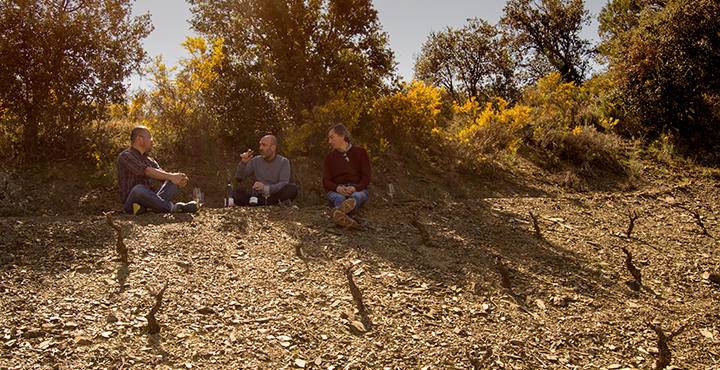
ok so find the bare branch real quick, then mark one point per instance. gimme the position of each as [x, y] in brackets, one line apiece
[357, 295]
[298, 250]
[503, 273]
[633, 270]
[535, 224]
[423, 233]
[632, 215]
[153, 326]
[698, 219]
[665, 356]
[120, 247]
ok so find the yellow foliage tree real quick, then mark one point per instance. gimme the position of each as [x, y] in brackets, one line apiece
[176, 106]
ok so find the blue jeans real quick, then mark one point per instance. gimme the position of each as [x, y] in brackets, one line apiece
[335, 199]
[157, 201]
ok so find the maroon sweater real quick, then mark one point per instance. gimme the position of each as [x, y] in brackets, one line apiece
[338, 171]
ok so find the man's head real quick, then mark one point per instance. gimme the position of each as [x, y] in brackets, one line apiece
[338, 136]
[141, 139]
[268, 146]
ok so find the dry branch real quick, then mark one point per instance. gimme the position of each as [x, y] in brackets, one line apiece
[423, 233]
[153, 326]
[356, 294]
[503, 273]
[298, 250]
[632, 215]
[633, 270]
[120, 247]
[535, 224]
[698, 219]
[479, 363]
[664, 356]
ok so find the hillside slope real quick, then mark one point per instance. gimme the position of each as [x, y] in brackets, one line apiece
[451, 277]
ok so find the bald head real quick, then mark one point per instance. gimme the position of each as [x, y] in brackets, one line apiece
[138, 131]
[273, 139]
[141, 139]
[268, 146]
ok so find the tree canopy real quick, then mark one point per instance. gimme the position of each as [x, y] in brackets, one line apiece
[473, 61]
[547, 33]
[63, 61]
[297, 53]
[665, 59]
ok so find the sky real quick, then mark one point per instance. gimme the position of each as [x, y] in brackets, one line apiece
[407, 23]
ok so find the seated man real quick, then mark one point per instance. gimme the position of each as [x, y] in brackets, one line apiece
[271, 173]
[346, 175]
[136, 175]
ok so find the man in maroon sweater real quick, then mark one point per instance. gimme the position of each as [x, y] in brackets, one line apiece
[346, 175]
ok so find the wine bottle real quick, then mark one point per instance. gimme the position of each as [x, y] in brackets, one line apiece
[229, 201]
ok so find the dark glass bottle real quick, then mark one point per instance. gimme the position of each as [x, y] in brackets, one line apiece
[254, 198]
[229, 201]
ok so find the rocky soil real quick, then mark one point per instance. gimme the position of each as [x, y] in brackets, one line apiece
[445, 281]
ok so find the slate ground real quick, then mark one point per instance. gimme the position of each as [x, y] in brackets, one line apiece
[238, 295]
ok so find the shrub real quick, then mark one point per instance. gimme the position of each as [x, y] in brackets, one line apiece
[565, 120]
[408, 115]
[344, 107]
[478, 133]
[176, 109]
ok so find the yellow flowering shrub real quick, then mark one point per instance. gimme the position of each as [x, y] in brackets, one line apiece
[480, 131]
[566, 116]
[561, 118]
[409, 114]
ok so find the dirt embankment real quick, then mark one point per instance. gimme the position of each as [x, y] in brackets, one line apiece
[447, 280]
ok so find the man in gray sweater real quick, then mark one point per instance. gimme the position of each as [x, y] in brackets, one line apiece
[271, 174]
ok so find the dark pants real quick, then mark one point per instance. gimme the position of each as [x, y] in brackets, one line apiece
[288, 192]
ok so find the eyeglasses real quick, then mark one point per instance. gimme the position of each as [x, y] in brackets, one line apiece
[346, 157]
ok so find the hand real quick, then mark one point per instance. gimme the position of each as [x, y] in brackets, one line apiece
[258, 186]
[350, 190]
[344, 190]
[179, 179]
[247, 156]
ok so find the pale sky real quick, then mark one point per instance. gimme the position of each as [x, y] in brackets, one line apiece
[407, 23]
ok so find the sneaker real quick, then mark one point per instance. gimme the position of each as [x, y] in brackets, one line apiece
[347, 206]
[138, 209]
[344, 220]
[188, 207]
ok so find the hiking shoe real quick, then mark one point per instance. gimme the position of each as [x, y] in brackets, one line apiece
[343, 220]
[347, 206]
[188, 207]
[138, 209]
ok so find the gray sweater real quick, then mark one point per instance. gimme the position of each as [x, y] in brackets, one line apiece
[275, 174]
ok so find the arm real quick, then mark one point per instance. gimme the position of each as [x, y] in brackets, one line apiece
[244, 171]
[328, 182]
[240, 172]
[365, 171]
[179, 179]
[284, 177]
